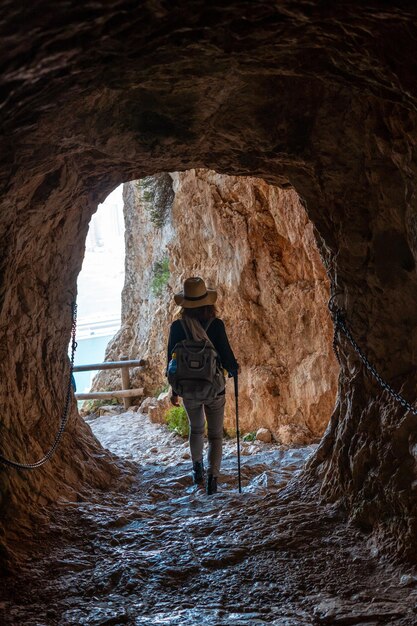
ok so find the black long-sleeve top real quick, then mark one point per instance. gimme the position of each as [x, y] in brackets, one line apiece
[216, 333]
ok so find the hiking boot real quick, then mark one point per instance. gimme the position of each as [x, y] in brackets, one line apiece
[198, 472]
[211, 484]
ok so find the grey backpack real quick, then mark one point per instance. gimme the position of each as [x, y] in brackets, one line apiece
[198, 375]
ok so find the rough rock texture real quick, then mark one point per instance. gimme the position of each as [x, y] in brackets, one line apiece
[254, 243]
[321, 97]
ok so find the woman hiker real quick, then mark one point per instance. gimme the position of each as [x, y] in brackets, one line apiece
[199, 323]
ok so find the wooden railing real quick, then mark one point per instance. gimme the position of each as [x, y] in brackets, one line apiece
[125, 392]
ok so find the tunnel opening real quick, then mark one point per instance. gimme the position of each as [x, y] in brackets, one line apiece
[255, 244]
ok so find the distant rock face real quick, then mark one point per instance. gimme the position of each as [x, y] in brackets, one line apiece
[254, 243]
[145, 299]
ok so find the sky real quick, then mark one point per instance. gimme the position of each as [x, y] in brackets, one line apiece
[101, 278]
[100, 284]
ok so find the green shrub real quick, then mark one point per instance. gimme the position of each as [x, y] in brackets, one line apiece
[160, 276]
[249, 436]
[177, 420]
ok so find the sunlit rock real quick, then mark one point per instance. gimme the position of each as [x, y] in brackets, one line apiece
[263, 434]
[255, 244]
[158, 411]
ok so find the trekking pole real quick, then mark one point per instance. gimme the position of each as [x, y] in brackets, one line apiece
[235, 380]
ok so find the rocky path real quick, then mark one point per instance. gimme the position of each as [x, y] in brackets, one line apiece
[164, 553]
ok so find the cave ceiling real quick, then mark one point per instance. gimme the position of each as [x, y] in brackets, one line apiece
[128, 88]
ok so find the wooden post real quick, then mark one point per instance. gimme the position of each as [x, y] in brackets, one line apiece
[125, 382]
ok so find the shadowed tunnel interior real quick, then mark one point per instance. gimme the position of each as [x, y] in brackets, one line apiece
[320, 98]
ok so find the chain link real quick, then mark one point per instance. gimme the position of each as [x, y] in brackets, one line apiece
[340, 325]
[65, 413]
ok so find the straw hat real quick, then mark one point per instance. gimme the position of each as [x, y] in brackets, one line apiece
[195, 294]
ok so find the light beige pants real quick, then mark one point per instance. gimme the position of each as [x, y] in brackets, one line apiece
[214, 412]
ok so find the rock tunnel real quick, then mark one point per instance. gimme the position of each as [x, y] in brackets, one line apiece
[318, 98]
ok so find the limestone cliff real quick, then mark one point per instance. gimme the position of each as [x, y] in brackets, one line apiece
[253, 242]
[145, 300]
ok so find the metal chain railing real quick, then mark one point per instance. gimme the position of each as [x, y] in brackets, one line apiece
[339, 318]
[65, 413]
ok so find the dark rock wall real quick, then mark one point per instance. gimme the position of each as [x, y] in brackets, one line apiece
[321, 97]
[41, 266]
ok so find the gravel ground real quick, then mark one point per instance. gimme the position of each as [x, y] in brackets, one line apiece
[165, 553]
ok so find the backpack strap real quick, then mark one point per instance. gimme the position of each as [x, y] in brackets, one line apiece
[207, 326]
[185, 329]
